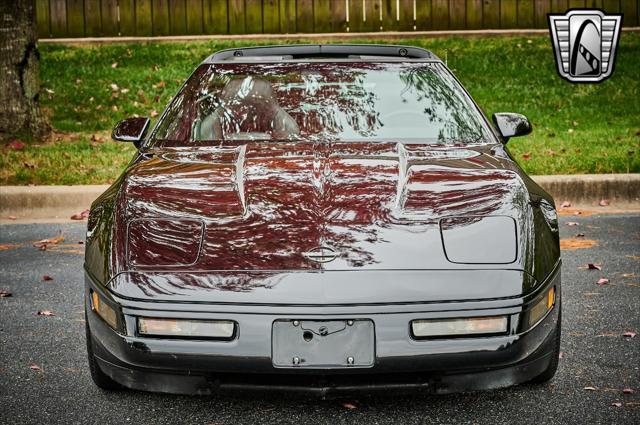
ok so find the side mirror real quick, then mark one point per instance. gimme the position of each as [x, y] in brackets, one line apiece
[511, 125]
[131, 130]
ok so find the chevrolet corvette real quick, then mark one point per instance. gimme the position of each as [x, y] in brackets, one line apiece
[324, 219]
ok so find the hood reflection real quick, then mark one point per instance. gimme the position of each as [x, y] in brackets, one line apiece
[264, 204]
[159, 284]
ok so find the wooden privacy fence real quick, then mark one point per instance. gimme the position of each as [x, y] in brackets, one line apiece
[95, 18]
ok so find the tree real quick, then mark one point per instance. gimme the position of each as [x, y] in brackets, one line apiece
[20, 114]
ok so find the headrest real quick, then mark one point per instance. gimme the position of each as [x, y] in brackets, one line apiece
[247, 91]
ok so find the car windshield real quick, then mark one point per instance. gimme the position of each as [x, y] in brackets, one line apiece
[321, 101]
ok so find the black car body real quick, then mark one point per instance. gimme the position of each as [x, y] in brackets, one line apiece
[322, 218]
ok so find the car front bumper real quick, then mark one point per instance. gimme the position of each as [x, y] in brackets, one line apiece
[438, 365]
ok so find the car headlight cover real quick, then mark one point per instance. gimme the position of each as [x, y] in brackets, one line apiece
[153, 242]
[540, 309]
[479, 239]
[103, 310]
[459, 327]
[186, 328]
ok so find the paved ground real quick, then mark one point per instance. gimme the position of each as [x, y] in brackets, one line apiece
[595, 353]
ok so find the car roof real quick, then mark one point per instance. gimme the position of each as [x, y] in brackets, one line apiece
[323, 53]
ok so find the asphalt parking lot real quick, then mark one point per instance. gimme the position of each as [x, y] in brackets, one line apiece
[597, 362]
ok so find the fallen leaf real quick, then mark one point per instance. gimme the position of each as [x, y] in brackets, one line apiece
[11, 217]
[35, 367]
[47, 277]
[5, 294]
[160, 85]
[114, 87]
[627, 391]
[592, 266]
[590, 389]
[8, 247]
[349, 406]
[124, 91]
[42, 244]
[45, 313]
[16, 145]
[629, 334]
[49, 91]
[616, 404]
[572, 223]
[526, 156]
[81, 215]
[604, 203]
[154, 113]
[573, 243]
[603, 281]
[565, 204]
[114, 65]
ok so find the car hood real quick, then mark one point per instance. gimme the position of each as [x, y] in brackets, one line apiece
[318, 206]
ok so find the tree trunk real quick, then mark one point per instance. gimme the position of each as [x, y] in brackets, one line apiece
[20, 115]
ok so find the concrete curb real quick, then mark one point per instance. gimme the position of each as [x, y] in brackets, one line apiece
[588, 189]
[58, 203]
[310, 36]
[46, 202]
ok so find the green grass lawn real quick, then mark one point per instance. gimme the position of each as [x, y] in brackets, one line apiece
[578, 128]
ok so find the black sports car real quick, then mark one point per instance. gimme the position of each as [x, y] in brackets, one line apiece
[322, 218]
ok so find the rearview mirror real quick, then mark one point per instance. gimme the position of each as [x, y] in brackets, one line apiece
[131, 130]
[511, 125]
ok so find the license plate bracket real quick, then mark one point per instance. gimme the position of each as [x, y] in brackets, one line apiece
[323, 343]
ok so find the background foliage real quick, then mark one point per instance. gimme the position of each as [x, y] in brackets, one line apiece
[578, 128]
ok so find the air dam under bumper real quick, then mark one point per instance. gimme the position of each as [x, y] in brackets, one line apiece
[440, 365]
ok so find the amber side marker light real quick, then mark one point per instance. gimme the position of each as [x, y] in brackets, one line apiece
[186, 328]
[540, 309]
[438, 328]
[103, 310]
